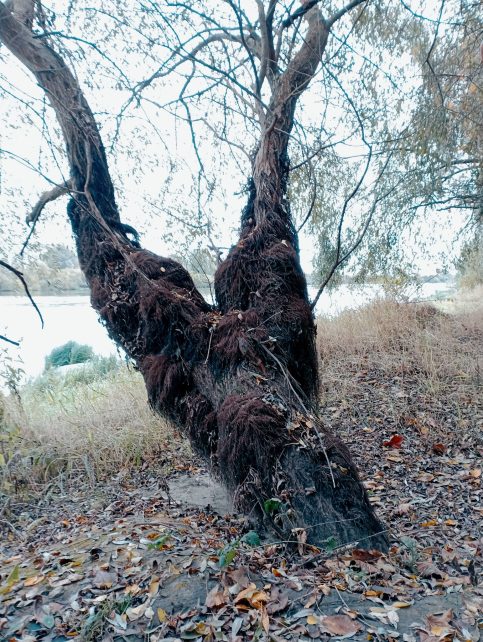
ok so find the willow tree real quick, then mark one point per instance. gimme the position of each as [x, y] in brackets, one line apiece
[239, 377]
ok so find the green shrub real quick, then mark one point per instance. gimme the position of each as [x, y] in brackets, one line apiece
[53, 379]
[71, 352]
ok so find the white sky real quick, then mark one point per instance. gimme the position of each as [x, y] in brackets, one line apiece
[154, 180]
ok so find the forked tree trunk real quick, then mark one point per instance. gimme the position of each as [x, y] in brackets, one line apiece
[240, 379]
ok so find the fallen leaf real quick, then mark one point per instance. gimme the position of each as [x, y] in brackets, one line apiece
[425, 477]
[32, 581]
[278, 601]
[265, 620]
[394, 457]
[153, 587]
[248, 592]
[301, 535]
[385, 615]
[364, 556]
[135, 612]
[439, 623]
[103, 580]
[12, 579]
[215, 598]
[394, 442]
[340, 625]
[439, 448]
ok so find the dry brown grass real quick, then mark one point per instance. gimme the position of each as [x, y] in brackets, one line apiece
[389, 360]
[392, 335]
[85, 429]
[379, 365]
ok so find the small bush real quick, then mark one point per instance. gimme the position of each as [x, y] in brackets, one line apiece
[70, 353]
[62, 378]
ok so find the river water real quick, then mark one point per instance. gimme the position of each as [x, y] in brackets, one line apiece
[71, 317]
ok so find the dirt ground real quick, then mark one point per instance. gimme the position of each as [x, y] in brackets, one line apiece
[126, 561]
[142, 556]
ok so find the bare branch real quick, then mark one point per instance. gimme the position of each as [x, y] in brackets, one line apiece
[342, 12]
[319, 150]
[258, 83]
[314, 197]
[15, 343]
[191, 55]
[22, 280]
[339, 260]
[47, 197]
[268, 57]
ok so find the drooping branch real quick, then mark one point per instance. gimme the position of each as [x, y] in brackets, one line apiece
[71, 108]
[22, 280]
[342, 257]
[7, 340]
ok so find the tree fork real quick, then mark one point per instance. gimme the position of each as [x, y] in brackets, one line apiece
[239, 379]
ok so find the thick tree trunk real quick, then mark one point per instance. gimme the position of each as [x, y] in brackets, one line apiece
[239, 379]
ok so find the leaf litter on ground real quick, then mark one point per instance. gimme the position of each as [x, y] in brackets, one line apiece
[124, 561]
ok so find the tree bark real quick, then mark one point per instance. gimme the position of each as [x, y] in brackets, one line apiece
[240, 378]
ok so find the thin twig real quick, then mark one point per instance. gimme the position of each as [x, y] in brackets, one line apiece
[21, 278]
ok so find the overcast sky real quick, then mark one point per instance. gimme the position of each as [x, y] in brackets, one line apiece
[152, 192]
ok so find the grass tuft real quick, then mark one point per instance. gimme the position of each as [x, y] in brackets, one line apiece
[392, 361]
[92, 422]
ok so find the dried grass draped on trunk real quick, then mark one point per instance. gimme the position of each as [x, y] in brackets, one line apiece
[240, 378]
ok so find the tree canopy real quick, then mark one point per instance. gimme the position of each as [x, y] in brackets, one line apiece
[385, 138]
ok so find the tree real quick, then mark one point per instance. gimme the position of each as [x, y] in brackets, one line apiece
[417, 92]
[240, 377]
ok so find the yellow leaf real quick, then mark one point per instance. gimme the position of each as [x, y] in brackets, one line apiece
[132, 589]
[32, 581]
[12, 579]
[312, 619]
[258, 599]
[135, 612]
[265, 620]
[401, 605]
[439, 630]
[162, 615]
[451, 522]
[431, 522]
[246, 593]
[153, 587]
